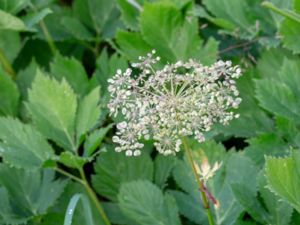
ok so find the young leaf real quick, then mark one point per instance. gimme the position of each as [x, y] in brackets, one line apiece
[52, 106]
[113, 168]
[145, 203]
[28, 193]
[71, 160]
[283, 176]
[22, 146]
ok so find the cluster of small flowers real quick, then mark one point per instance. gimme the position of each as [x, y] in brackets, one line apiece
[182, 99]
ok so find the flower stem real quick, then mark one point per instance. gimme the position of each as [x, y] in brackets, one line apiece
[199, 182]
[94, 198]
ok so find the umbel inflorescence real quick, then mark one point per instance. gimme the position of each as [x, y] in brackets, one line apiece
[181, 99]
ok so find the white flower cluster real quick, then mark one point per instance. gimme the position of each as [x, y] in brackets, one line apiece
[182, 99]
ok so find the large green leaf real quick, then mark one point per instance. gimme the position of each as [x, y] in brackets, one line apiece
[71, 70]
[9, 95]
[145, 203]
[52, 105]
[283, 176]
[26, 194]
[21, 145]
[113, 169]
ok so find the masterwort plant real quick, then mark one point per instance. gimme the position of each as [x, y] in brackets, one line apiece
[181, 99]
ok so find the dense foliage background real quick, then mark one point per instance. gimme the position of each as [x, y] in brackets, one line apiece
[55, 59]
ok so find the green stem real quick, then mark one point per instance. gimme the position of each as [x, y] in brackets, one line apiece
[47, 34]
[94, 198]
[48, 37]
[199, 182]
[6, 65]
[71, 176]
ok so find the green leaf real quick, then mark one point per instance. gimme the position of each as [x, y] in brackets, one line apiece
[27, 193]
[10, 22]
[107, 66]
[100, 11]
[112, 169]
[31, 19]
[236, 169]
[25, 78]
[285, 95]
[265, 145]
[132, 44]
[280, 212]
[9, 95]
[130, 14]
[115, 214]
[71, 70]
[163, 168]
[22, 146]
[88, 114]
[52, 106]
[145, 203]
[234, 17]
[72, 206]
[173, 36]
[94, 140]
[249, 201]
[290, 30]
[253, 120]
[10, 44]
[56, 214]
[13, 6]
[75, 27]
[283, 176]
[284, 12]
[73, 161]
